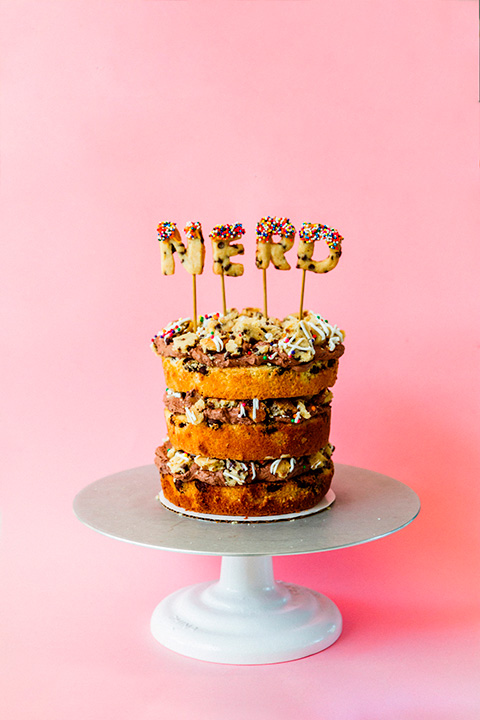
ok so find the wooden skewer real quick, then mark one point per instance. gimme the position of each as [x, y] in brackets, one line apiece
[265, 310]
[223, 295]
[302, 294]
[194, 288]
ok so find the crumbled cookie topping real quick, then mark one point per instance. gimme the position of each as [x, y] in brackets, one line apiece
[321, 457]
[178, 461]
[264, 340]
[235, 472]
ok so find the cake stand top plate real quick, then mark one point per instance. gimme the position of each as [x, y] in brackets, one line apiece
[368, 506]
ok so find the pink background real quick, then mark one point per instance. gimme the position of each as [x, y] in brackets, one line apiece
[116, 115]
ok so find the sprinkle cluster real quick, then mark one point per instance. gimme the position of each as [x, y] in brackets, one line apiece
[165, 230]
[332, 237]
[269, 226]
[192, 226]
[183, 325]
[174, 328]
[310, 232]
[227, 231]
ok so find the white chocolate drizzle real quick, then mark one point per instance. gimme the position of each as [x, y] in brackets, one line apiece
[274, 466]
[191, 417]
[218, 342]
[173, 393]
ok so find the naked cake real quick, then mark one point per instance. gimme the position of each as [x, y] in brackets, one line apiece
[247, 409]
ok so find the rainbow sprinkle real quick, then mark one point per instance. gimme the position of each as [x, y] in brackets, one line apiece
[193, 227]
[269, 226]
[310, 232]
[220, 232]
[165, 230]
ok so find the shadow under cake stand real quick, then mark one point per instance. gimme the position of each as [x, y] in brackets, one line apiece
[247, 617]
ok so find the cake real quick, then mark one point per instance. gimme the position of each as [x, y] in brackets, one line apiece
[247, 408]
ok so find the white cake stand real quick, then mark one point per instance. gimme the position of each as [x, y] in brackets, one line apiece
[247, 617]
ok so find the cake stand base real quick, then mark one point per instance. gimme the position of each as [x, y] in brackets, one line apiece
[246, 617]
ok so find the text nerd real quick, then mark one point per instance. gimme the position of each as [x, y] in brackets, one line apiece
[274, 238]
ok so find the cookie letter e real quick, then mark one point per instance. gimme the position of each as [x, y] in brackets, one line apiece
[222, 237]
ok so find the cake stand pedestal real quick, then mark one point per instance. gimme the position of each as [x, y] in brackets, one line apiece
[247, 617]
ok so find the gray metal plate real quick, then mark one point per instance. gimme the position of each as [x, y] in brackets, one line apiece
[368, 506]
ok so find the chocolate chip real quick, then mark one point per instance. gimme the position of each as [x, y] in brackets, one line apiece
[269, 429]
[273, 487]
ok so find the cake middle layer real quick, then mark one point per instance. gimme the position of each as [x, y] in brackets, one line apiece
[247, 430]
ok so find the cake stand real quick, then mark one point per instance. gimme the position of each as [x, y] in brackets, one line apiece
[247, 617]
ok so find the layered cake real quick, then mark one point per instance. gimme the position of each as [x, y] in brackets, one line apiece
[247, 408]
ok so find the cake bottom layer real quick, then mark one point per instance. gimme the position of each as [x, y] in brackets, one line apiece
[255, 499]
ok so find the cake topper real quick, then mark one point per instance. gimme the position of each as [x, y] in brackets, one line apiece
[267, 249]
[191, 257]
[223, 249]
[309, 233]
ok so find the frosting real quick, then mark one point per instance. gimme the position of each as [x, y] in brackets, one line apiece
[186, 468]
[192, 408]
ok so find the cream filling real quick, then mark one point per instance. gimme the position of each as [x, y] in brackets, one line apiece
[291, 409]
[235, 472]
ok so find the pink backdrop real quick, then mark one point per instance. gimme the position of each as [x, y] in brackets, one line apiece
[116, 115]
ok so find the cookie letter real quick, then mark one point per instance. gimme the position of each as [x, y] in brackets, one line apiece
[309, 233]
[267, 249]
[192, 257]
[223, 249]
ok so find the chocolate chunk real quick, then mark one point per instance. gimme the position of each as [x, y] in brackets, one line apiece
[269, 429]
[273, 487]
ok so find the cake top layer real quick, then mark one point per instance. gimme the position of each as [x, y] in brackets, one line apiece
[249, 337]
